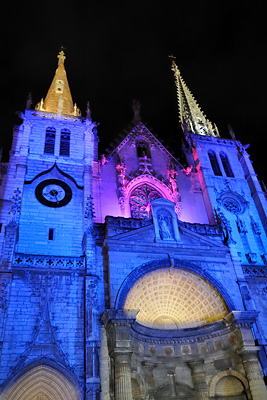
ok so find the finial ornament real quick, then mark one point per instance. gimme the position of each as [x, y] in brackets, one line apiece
[88, 111]
[136, 106]
[61, 57]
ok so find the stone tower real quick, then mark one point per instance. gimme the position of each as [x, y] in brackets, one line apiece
[130, 276]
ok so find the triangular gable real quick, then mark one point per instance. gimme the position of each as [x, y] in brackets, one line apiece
[187, 238]
[140, 130]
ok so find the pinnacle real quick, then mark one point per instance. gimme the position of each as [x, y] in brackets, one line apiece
[58, 99]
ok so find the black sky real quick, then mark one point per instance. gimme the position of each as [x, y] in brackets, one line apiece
[118, 51]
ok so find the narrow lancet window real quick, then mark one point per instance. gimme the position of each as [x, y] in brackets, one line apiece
[214, 163]
[64, 143]
[51, 234]
[142, 149]
[50, 141]
[226, 165]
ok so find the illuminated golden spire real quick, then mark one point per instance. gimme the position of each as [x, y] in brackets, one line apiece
[190, 114]
[58, 99]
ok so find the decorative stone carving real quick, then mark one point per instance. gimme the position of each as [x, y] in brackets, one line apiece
[121, 182]
[91, 304]
[224, 226]
[16, 205]
[241, 226]
[255, 226]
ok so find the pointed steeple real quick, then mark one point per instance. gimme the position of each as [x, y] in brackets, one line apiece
[58, 99]
[190, 114]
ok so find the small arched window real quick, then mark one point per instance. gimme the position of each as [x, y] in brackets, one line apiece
[64, 143]
[226, 165]
[50, 141]
[214, 163]
[142, 148]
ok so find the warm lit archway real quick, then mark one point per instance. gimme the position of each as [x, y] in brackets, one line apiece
[41, 383]
[175, 298]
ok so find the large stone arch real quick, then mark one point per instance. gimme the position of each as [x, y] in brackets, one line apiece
[144, 269]
[41, 382]
[224, 374]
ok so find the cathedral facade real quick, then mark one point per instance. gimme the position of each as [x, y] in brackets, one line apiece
[131, 276]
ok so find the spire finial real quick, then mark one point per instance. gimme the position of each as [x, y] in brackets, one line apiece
[136, 106]
[61, 56]
[88, 111]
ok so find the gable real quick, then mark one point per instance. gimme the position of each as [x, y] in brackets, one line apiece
[188, 238]
[140, 131]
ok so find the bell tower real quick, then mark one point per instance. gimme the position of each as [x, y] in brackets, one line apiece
[49, 241]
[230, 188]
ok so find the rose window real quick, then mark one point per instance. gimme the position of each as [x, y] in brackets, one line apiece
[140, 201]
[232, 205]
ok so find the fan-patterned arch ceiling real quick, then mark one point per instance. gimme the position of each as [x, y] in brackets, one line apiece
[174, 299]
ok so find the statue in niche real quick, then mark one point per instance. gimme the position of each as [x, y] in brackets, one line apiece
[165, 225]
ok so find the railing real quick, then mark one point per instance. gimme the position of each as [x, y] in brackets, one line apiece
[41, 261]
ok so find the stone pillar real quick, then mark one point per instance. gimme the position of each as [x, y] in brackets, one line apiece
[254, 375]
[5, 287]
[10, 241]
[117, 324]
[123, 384]
[149, 380]
[171, 376]
[198, 378]
[92, 338]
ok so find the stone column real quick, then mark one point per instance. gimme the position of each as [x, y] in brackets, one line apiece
[171, 376]
[198, 378]
[254, 375]
[118, 324]
[149, 379]
[123, 384]
[91, 338]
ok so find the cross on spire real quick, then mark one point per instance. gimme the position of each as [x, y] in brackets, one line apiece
[61, 56]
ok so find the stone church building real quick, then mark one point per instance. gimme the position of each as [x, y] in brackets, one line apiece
[130, 276]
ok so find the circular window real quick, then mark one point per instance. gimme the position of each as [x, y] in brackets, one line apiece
[232, 206]
[232, 202]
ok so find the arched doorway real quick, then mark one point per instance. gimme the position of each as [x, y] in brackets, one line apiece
[41, 383]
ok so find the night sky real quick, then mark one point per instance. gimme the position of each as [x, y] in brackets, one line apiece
[118, 51]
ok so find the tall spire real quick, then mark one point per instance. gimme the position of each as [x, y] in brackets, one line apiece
[190, 114]
[58, 99]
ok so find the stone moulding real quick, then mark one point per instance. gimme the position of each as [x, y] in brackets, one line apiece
[194, 341]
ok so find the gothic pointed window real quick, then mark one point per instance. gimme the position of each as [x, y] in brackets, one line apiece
[214, 163]
[142, 148]
[140, 201]
[226, 165]
[50, 141]
[64, 143]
